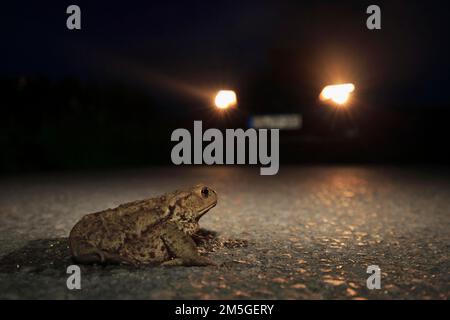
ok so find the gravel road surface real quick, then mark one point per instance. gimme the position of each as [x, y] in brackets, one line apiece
[308, 233]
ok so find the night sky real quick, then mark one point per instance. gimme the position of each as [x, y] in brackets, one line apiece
[172, 46]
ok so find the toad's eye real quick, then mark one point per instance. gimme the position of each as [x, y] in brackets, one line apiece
[205, 192]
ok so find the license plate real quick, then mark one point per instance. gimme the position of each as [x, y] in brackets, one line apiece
[278, 121]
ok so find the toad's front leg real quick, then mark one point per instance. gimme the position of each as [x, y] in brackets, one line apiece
[182, 247]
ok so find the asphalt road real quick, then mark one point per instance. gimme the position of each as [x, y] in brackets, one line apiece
[307, 233]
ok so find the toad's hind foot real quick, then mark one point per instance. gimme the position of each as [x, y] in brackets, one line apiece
[90, 256]
[93, 255]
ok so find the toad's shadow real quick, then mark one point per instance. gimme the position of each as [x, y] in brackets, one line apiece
[43, 255]
[38, 256]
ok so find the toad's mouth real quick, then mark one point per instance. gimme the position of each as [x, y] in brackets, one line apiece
[202, 212]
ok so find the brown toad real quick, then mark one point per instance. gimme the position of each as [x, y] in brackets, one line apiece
[152, 231]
